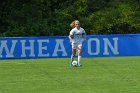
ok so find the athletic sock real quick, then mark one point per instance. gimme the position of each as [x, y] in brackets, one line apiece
[79, 58]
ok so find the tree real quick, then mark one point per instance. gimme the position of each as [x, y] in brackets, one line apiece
[52, 17]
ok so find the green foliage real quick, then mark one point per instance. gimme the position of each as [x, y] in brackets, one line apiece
[118, 19]
[52, 17]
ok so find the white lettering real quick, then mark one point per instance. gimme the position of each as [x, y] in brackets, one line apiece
[41, 48]
[24, 48]
[107, 44]
[9, 53]
[97, 46]
[59, 42]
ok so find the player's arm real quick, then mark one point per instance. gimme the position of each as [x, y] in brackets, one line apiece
[85, 36]
[70, 37]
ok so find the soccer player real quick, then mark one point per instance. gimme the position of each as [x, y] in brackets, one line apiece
[76, 38]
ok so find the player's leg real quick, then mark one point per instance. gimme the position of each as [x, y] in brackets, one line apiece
[73, 53]
[79, 54]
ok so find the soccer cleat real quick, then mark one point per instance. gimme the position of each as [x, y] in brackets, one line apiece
[70, 63]
[78, 64]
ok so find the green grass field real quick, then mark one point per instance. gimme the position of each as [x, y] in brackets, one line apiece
[97, 75]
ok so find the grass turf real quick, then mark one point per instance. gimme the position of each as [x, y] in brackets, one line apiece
[97, 75]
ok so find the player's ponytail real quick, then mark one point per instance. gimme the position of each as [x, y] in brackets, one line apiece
[72, 24]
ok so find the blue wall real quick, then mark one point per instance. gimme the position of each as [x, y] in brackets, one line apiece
[60, 47]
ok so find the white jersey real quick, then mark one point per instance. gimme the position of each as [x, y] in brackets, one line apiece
[77, 34]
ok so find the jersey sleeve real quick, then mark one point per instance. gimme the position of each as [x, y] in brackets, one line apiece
[72, 32]
[83, 31]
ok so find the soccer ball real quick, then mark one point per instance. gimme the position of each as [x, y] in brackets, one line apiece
[74, 63]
